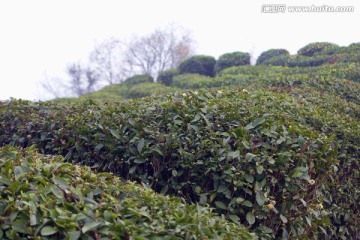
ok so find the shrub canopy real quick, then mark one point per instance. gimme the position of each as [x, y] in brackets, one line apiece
[203, 65]
[232, 59]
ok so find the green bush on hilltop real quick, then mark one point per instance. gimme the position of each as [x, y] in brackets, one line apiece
[147, 89]
[192, 81]
[316, 47]
[232, 59]
[272, 53]
[305, 61]
[166, 77]
[137, 79]
[203, 65]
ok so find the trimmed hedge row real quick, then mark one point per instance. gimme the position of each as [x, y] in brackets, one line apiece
[341, 79]
[269, 160]
[44, 198]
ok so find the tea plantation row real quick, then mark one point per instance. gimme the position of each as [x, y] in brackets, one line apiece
[283, 161]
[44, 198]
[338, 78]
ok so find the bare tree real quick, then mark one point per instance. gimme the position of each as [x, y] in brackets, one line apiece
[112, 61]
[106, 60]
[82, 80]
[54, 87]
[161, 50]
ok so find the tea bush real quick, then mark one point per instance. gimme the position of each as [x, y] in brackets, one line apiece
[44, 198]
[272, 53]
[232, 59]
[137, 79]
[147, 89]
[304, 61]
[281, 156]
[192, 81]
[166, 77]
[274, 161]
[313, 48]
[281, 60]
[203, 65]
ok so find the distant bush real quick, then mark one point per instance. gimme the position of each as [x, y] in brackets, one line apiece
[280, 60]
[166, 77]
[271, 54]
[203, 65]
[45, 198]
[232, 59]
[137, 79]
[304, 61]
[192, 81]
[355, 47]
[313, 48]
[146, 89]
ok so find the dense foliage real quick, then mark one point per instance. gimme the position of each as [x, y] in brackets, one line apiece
[203, 65]
[137, 79]
[270, 54]
[313, 48]
[192, 81]
[44, 198]
[166, 77]
[273, 161]
[232, 59]
[274, 148]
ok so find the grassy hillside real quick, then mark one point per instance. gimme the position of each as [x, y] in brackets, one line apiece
[272, 148]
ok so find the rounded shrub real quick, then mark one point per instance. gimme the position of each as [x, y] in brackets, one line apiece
[137, 79]
[271, 54]
[315, 48]
[146, 89]
[193, 81]
[281, 60]
[354, 47]
[166, 77]
[304, 61]
[232, 59]
[203, 65]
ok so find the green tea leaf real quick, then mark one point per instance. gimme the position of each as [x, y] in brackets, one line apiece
[234, 218]
[57, 192]
[221, 205]
[90, 226]
[260, 198]
[283, 218]
[259, 169]
[247, 203]
[115, 133]
[140, 145]
[48, 230]
[250, 218]
[20, 225]
[61, 182]
[74, 235]
[249, 178]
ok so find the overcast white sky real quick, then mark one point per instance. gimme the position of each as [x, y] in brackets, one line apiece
[40, 37]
